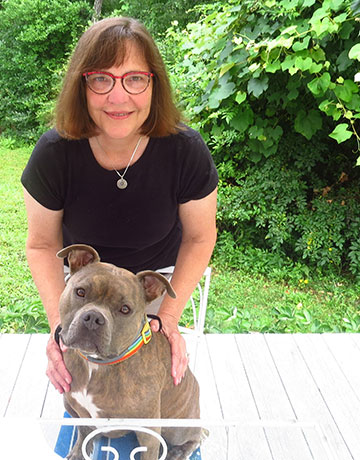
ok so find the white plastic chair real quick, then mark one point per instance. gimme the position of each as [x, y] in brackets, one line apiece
[198, 308]
[194, 335]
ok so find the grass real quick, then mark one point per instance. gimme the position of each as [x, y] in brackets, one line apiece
[255, 303]
[240, 301]
[20, 306]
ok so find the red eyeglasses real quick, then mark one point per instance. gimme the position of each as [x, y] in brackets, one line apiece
[104, 82]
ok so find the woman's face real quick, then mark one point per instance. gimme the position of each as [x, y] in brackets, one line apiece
[118, 114]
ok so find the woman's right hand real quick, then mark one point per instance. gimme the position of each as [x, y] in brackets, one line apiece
[56, 370]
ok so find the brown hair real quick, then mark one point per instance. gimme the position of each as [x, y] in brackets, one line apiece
[102, 46]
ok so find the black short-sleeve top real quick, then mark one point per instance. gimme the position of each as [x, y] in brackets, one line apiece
[138, 227]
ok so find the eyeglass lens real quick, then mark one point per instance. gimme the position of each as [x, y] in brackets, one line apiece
[133, 83]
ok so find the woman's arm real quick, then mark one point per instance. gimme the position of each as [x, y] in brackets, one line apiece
[43, 242]
[198, 241]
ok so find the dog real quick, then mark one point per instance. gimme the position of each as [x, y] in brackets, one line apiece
[120, 369]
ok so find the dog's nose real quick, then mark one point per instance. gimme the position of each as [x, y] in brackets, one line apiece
[92, 320]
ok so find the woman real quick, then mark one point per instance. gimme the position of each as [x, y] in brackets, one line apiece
[121, 174]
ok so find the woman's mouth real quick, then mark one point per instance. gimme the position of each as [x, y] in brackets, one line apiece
[118, 115]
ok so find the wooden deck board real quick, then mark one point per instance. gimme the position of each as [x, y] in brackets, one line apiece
[306, 399]
[231, 379]
[334, 387]
[12, 352]
[271, 399]
[284, 397]
[28, 393]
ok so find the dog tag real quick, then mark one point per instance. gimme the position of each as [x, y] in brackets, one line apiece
[121, 184]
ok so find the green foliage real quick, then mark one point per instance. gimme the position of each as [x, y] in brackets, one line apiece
[271, 66]
[36, 40]
[254, 303]
[20, 306]
[158, 14]
[291, 207]
[274, 96]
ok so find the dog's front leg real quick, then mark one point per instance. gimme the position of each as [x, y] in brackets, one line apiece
[150, 443]
[76, 451]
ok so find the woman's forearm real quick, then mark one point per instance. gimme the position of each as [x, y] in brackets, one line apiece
[43, 242]
[198, 240]
[48, 274]
[192, 260]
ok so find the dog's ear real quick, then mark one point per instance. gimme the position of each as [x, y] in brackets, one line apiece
[78, 256]
[154, 285]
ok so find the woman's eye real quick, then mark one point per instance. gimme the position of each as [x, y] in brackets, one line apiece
[80, 292]
[125, 310]
[136, 78]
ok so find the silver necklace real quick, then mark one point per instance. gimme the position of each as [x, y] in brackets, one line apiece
[121, 183]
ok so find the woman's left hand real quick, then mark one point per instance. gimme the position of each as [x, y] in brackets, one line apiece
[179, 356]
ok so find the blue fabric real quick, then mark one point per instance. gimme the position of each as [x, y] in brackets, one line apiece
[124, 445]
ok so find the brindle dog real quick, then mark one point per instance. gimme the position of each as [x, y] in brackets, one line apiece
[102, 312]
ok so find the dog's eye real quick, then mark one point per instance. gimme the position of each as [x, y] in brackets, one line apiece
[125, 310]
[80, 292]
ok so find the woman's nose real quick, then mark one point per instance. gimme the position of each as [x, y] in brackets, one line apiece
[118, 93]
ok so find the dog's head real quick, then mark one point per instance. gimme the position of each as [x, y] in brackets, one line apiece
[103, 306]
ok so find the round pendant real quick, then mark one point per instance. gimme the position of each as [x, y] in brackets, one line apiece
[121, 184]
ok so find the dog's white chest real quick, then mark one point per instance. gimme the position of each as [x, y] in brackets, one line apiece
[85, 399]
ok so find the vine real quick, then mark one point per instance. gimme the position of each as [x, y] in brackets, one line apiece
[274, 65]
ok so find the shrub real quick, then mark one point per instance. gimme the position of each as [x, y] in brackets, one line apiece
[270, 67]
[280, 207]
[36, 40]
[273, 94]
[158, 14]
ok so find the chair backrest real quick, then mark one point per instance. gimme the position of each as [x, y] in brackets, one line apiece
[198, 303]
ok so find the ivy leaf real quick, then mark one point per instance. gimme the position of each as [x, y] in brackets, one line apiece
[354, 104]
[330, 108]
[307, 123]
[341, 18]
[257, 86]
[343, 61]
[226, 67]
[303, 63]
[288, 62]
[319, 85]
[255, 156]
[346, 30]
[243, 120]
[220, 93]
[293, 94]
[315, 68]
[354, 52]
[240, 97]
[302, 45]
[345, 91]
[289, 30]
[341, 133]
[273, 66]
[336, 4]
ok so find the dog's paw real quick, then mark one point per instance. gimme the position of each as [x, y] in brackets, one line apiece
[75, 454]
[204, 435]
[182, 452]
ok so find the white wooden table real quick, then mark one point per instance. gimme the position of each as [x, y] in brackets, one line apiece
[263, 397]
